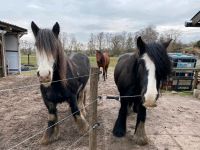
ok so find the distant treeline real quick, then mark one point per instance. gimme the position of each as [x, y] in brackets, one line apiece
[116, 43]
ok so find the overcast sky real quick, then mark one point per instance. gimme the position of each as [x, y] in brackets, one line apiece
[83, 17]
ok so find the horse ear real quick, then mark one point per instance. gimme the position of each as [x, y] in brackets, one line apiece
[166, 44]
[34, 28]
[56, 29]
[140, 45]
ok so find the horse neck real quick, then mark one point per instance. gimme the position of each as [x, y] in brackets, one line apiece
[60, 69]
[103, 58]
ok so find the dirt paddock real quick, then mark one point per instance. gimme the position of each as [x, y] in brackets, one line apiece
[173, 125]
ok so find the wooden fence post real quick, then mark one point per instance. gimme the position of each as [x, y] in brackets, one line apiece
[93, 107]
[195, 79]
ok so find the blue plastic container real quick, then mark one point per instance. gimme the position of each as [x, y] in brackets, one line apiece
[180, 60]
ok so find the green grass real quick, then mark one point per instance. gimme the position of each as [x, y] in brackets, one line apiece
[185, 93]
[181, 93]
[113, 61]
[29, 73]
[32, 59]
[24, 60]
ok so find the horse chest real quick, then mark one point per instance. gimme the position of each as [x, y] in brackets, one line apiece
[56, 95]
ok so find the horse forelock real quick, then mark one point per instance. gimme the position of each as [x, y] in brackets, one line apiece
[48, 44]
[159, 56]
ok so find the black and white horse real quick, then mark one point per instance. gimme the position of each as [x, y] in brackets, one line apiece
[140, 74]
[53, 70]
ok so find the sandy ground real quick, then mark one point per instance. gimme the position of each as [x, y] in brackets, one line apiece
[173, 125]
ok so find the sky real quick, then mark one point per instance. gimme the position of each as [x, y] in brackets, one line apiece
[82, 17]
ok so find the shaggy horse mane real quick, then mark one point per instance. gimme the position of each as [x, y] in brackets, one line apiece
[158, 54]
[48, 42]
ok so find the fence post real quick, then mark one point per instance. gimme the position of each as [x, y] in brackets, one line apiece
[93, 107]
[195, 79]
[28, 59]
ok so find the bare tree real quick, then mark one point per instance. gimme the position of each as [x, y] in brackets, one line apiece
[91, 44]
[26, 47]
[116, 44]
[173, 34]
[100, 39]
[108, 40]
[64, 40]
[149, 34]
[78, 47]
[123, 41]
[130, 43]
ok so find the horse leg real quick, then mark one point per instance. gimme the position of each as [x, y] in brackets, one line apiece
[129, 108]
[104, 70]
[99, 74]
[52, 133]
[78, 116]
[82, 101]
[140, 135]
[119, 129]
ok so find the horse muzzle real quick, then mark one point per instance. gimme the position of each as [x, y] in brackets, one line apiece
[150, 101]
[149, 104]
[45, 80]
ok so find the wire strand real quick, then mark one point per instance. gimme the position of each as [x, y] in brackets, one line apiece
[51, 126]
[88, 131]
[23, 87]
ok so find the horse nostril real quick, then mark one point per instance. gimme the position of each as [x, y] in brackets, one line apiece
[49, 73]
[38, 74]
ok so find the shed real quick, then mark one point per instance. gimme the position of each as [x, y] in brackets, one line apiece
[194, 21]
[10, 62]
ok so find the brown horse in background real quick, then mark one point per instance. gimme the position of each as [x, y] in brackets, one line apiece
[103, 61]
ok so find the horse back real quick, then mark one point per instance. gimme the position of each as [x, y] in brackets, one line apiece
[106, 58]
[80, 66]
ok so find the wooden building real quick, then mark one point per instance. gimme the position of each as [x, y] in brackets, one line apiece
[10, 62]
[194, 22]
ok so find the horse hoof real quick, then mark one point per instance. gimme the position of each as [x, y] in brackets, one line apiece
[48, 138]
[44, 141]
[84, 128]
[119, 132]
[140, 140]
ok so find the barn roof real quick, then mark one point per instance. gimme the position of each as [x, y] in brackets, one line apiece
[11, 28]
[194, 21]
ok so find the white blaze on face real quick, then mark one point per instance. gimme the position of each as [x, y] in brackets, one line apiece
[151, 93]
[45, 66]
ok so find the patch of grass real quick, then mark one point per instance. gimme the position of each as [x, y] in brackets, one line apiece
[29, 73]
[113, 61]
[32, 59]
[185, 93]
[181, 93]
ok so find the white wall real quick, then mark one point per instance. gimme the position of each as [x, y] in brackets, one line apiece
[11, 42]
[12, 53]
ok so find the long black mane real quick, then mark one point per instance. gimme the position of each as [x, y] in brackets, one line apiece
[48, 42]
[159, 56]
